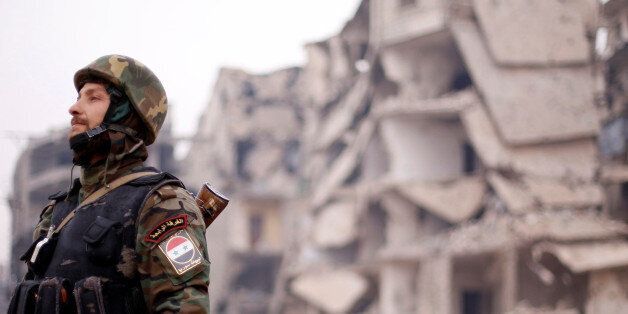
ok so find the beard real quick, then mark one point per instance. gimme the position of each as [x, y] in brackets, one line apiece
[89, 151]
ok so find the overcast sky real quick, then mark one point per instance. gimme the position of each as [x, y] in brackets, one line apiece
[42, 44]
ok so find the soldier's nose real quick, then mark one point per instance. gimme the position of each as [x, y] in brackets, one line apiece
[74, 109]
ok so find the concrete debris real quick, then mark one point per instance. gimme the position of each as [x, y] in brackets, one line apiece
[529, 192]
[336, 225]
[555, 193]
[495, 233]
[607, 292]
[340, 119]
[577, 159]
[443, 107]
[568, 226]
[392, 28]
[572, 160]
[547, 31]
[333, 292]
[516, 198]
[485, 139]
[530, 105]
[344, 165]
[454, 201]
[586, 257]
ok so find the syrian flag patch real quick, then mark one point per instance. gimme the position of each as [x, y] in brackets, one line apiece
[181, 252]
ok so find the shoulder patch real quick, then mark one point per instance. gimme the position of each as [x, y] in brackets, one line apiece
[181, 252]
[160, 231]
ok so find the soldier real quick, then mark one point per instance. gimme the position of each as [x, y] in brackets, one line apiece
[124, 238]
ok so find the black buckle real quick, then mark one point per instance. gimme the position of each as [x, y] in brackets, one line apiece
[95, 131]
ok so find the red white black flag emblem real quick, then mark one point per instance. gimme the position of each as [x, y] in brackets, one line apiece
[181, 252]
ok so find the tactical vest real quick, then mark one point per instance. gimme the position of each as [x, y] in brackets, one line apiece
[97, 247]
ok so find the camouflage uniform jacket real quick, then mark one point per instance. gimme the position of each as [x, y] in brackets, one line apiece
[170, 256]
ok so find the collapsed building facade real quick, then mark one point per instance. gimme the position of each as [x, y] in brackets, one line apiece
[433, 157]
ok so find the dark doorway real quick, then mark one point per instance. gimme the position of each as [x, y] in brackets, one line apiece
[476, 302]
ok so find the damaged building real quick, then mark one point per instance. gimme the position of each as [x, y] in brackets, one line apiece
[248, 144]
[463, 156]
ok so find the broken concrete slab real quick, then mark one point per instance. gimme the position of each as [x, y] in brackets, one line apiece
[533, 32]
[336, 225]
[454, 201]
[587, 256]
[447, 106]
[392, 26]
[567, 225]
[493, 233]
[517, 199]
[332, 291]
[340, 119]
[343, 165]
[577, 159]
[530, 105]
[484, 137]
[528, 193]
[553, 193]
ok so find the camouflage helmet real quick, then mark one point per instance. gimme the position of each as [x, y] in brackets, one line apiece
[140, 84]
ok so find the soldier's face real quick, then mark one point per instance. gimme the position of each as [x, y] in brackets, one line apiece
[89, 109]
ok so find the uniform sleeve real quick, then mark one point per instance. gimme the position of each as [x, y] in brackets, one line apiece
[173, 262]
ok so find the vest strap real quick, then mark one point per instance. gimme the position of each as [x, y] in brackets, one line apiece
[100, 193]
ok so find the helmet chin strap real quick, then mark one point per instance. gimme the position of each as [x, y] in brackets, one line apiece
[80, 140]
